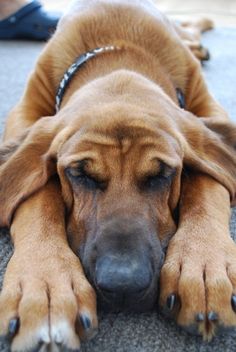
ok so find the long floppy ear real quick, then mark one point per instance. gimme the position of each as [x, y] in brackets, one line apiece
[8, 148]
[209, 147]
[25, 166]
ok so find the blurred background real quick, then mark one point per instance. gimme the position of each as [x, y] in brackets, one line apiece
[222, 12]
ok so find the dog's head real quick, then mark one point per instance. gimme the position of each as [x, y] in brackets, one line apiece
[119, 147]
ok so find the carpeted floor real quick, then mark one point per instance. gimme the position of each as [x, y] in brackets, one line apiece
[144, 332]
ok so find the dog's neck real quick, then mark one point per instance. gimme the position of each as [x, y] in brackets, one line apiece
[107, 59]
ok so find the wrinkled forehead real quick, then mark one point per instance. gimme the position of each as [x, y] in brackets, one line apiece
[140, 143]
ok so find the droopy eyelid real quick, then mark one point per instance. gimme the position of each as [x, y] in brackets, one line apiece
[80, 177]
[160, 180]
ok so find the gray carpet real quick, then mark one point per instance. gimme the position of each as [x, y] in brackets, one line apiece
[144, 332]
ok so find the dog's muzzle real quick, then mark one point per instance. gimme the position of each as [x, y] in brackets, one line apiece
[123, 263]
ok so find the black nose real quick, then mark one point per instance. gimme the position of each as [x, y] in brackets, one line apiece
[123, 274]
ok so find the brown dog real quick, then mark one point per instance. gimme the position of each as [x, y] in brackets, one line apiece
[139, 156]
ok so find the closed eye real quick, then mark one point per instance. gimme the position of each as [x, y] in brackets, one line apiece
[155, 182]
[158, 181]
[85, 180]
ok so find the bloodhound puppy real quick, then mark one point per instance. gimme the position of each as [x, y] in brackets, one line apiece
[117, 173]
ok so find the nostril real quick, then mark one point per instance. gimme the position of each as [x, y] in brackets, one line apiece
[119, 274]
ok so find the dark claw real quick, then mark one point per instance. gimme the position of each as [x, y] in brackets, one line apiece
[170, 302]
[13, 326]
[212, 316]
[85, 322]
[233, 303]
[38, 347]
[200, 317]
[208, 56]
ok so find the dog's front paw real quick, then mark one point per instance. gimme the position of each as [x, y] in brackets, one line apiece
[46, 301]
[198, 284]
[199, 51]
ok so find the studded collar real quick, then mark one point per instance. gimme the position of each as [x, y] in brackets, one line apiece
[80, 61]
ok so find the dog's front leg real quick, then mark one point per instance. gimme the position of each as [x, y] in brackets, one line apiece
[46, 299]
[198, 279]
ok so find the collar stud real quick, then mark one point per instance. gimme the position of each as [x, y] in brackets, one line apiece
[180, 97]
